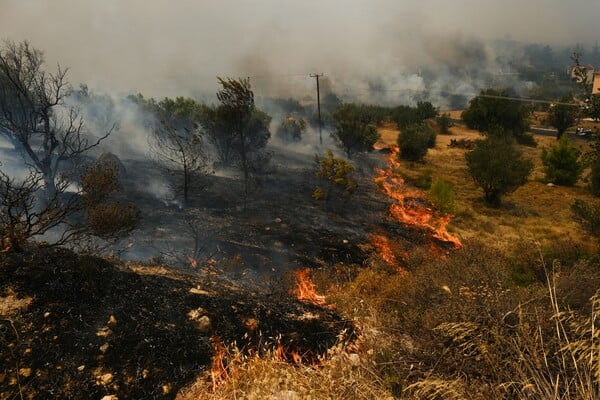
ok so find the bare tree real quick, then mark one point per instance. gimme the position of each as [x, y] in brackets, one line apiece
[23, 216]
[82, 218]
[34, 116]
[180, 152]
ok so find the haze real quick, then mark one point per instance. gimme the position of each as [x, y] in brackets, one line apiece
[164, 48]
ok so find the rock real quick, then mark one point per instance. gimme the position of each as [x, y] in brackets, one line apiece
[112, 320]
[26, 372]
[81, 368]
[278, 220]
[104, 347]
[104, 379]
[203, 322]
[110, 397]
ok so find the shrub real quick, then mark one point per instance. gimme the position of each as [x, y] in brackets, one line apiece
[444, 122]
[441, 195]
[336, 174]
[561, 163]
[594, 186]
[414, 140]
[588, 215]
[498, 168]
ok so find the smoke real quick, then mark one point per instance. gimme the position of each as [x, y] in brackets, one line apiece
[164, 48]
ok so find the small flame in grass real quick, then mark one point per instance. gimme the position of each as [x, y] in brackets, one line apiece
[409, 207]
[218, 373]
[193, 262]
[281, 354]
[382, 244]
[305, 288]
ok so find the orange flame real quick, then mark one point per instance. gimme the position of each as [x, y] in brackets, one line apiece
[382, 244]
[193, 262]
[305, 288]
[218, 373]
[409, 207]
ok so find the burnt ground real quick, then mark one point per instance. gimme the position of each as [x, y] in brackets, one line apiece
[75, 326]
[81, 327]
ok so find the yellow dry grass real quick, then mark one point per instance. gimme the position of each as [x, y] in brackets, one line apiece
[536, 212]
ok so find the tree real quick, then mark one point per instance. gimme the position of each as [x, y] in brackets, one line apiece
[497, 167]
[561, 163]
[490, 110]
[594, 107]
[34, 116]
[336, 174]
[239, 129]
[414, 141]
[562, 116]
[178, 142]
[93, 211]
[23, 215]
[353, 133]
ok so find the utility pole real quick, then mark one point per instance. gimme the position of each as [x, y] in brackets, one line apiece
[318, 105]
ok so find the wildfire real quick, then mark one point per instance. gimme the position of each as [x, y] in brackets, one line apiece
[218, 373]
[409, 206]
[382, 244]
[305, 288]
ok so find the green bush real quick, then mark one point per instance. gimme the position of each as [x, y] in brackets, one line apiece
[595, 178]
[444, 122]
[588, 215]
[497, 167]
[562, 165]
[441, 195]
[336, 175]
[415, 140]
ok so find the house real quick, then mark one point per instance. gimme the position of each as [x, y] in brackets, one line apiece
[596, 83]
[581, 73]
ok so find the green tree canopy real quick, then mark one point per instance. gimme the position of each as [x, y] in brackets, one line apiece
[562, 116]
[490, 110]
[353, 133]
[497, 167]
[414, 141]
[562, 165]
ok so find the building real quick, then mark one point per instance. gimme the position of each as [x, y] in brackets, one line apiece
[596, 83]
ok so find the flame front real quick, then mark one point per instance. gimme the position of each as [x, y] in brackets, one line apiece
[305, 288]
[218, 372]
[409, 206]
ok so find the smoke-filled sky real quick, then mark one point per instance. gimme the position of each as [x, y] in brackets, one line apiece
[173, 47]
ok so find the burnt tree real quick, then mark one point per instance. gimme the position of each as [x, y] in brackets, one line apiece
[243, 129]
[34, 116]
[178, 141]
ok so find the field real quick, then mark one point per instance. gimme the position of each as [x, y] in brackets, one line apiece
[535, 213]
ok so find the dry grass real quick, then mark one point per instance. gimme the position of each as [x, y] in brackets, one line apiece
[344, 374]
[535, 212]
